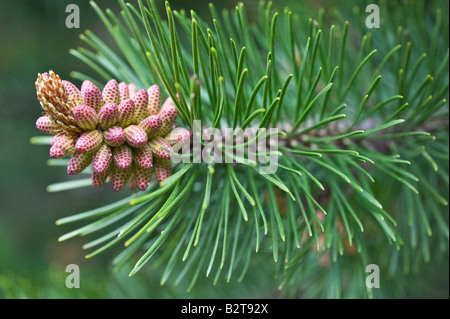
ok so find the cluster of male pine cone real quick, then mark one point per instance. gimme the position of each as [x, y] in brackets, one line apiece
[122, 132]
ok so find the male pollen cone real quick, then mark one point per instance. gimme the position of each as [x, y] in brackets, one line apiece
[121, 131]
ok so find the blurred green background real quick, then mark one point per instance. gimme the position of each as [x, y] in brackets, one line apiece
[34, 39]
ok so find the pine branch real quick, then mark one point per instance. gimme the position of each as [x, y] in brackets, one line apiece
[355, 120]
